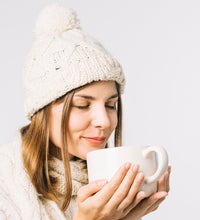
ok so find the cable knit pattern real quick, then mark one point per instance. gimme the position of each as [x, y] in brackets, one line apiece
[63, 58]
[18, 197]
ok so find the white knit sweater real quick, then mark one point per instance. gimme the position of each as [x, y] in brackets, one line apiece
[18, 197]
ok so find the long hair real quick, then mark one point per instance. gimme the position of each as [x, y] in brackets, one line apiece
[35, 148]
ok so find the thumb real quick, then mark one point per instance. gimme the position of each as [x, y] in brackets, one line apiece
[90, 189]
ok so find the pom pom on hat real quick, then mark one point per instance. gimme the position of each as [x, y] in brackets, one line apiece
[63, 58]
[55, 19]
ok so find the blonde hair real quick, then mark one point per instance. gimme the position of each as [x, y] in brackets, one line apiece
[35, 148]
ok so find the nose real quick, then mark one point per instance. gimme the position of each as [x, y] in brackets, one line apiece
[101, 118]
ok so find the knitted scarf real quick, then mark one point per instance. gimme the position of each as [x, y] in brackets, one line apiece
[78, 172]
[79, 178]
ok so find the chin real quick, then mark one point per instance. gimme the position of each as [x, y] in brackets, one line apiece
[82, 154]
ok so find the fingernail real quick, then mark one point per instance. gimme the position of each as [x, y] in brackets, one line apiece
[140, 176]
[127, 165]
[135, 168]
[142, 194]
[102, 182]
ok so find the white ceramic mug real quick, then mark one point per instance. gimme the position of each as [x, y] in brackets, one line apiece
[153, 161]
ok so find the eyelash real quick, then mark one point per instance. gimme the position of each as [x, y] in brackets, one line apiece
[111, 107]
[82, 107]
[85, 107]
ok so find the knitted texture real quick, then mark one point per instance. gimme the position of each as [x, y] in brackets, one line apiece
[79, 179]
[63, 58]
[78, 172]
[18, 197]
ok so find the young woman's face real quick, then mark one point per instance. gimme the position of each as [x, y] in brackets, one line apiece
[92, 118]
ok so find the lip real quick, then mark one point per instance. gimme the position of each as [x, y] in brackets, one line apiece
[95, 140]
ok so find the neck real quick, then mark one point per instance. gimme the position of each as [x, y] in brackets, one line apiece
[56, 152]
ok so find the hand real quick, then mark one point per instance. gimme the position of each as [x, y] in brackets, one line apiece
[111, 200]
[152, 203]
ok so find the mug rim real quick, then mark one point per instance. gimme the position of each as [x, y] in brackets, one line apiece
[119, 147]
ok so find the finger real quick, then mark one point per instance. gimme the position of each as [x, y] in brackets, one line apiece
[158, 195]
[90, 189]
[124, 187]
[161, 184]
[107, 192]
[132, 192]
[155, 206]
[148, 202]
[168, 179]
[138, 198]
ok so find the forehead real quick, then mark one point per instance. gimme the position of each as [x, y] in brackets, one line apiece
[98, 88]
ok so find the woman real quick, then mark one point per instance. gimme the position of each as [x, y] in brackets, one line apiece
[72, 88]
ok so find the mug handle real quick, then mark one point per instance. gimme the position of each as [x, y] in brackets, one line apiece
[162, 161]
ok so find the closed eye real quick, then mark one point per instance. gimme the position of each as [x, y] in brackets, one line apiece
[113, 107]
[110, 107]
[81, 106]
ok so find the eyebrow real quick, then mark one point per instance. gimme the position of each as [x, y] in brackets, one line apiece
[93, 98]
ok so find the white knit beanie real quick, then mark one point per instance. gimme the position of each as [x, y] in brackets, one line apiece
[63, 58]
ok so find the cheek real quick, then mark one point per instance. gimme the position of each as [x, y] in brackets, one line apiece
[77, 122]
[113, 120]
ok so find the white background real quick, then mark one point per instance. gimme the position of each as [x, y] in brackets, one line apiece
[158, 45]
